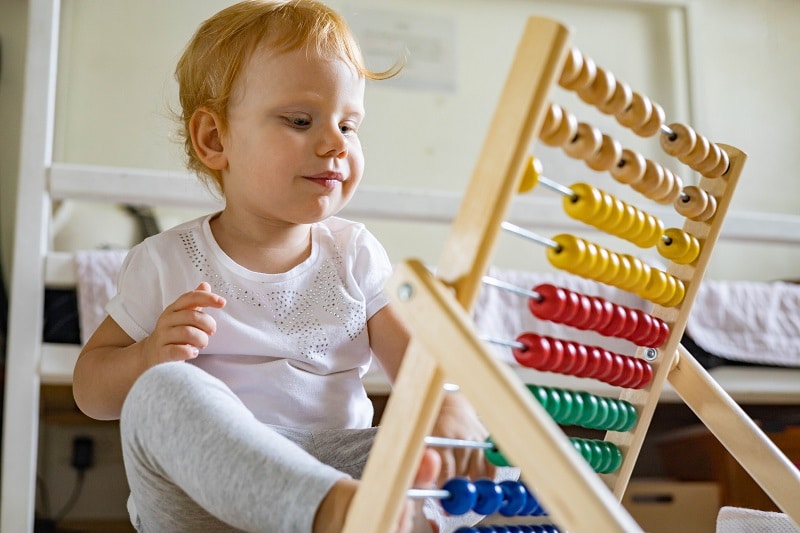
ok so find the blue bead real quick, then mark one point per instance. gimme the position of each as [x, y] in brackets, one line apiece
[462, 496]
[466, 529]
[515, 496]
[531, 506]
[490, 497]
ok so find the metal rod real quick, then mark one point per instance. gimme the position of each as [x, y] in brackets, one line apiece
[494, 282]
[522, 232]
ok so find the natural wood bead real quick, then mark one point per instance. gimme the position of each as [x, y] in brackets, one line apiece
[670, 189]
[637, 113]
[681, 142]
[711, 161]
[600, 90]
[630, 168]
[584, 78]
[552, 120]
[562, 128]
[586, 142]
[698, 153]
[653, 124]
[692, 202]
[620, 99]
[722, 168]
[651, 180]
[607, 156]
[709, 211]
[572, 67]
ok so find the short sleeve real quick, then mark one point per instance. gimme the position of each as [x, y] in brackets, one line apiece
[139, 300]
[371, 270]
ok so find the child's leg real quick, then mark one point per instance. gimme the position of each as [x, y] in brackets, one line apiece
[193, 450]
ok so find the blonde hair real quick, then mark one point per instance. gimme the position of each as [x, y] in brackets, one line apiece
[219, 49]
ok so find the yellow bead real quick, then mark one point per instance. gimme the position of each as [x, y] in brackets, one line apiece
[678, 294]
[570, 252]
[610, 266]
[637, 275]
[533, 169]
[584, 204]
[669, 293]
[656, 286]
[614, 216]
[654, 229]
[591, 263]
[680, 246]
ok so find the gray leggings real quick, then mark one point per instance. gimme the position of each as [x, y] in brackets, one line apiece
[197, 460]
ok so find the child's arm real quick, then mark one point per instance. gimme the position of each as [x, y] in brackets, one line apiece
[111, 361]
[457, 419]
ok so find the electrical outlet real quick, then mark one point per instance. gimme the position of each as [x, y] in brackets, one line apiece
[82, 453]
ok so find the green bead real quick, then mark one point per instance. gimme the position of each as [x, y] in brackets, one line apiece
[494, 456]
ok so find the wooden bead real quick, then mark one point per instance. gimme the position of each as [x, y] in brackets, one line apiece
[711, 161]
[651, 180]
[698, 152]
[600, 90]
[607, 156]
[709, 211]
[669, 190]
[584, 78]
[638, 113]
[552, 121]
[681, 142]
[653, 124]
[692, 202]
[586, 142]
[630, 168]
[620, 100]
[572, 67]
[564, 130]
[722, 167]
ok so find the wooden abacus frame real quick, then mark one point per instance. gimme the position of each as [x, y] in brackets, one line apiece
[445, 346]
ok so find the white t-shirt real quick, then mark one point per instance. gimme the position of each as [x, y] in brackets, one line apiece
[292, 346]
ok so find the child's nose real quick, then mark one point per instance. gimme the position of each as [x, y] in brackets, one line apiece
[333, 143]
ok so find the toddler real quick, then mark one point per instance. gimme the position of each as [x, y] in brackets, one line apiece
[234, 349]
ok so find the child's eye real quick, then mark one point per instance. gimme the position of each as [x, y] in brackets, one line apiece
[348, 128]
[298, 122]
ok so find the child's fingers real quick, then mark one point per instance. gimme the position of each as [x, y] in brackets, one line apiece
[201, 297]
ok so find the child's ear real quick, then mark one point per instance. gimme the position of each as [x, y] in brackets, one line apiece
[204, 127]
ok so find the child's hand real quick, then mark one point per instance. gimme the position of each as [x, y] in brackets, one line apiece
[458, 420]
[183, 328]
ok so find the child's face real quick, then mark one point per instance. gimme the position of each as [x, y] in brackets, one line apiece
[292, 146]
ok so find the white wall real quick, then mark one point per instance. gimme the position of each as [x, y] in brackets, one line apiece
[114, 98]
[12, 38]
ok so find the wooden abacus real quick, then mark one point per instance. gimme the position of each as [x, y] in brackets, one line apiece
[446, 348]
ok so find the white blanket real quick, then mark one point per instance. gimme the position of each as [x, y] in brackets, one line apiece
[96, 273]
[753, 322]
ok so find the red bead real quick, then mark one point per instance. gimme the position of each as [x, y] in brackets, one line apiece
[579, 360]
[647, 375]
[627, 375]
[584, 317]
[552, 303]
[643, 331]
[557, 352]
[594, 361]
[570, 355]
[663, 333]
[616, 325]
[606, 365]
[604, 314]
[571, 309]
[535, 353]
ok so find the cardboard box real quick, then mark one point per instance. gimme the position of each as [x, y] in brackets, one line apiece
[670, 506]
[696, 455]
